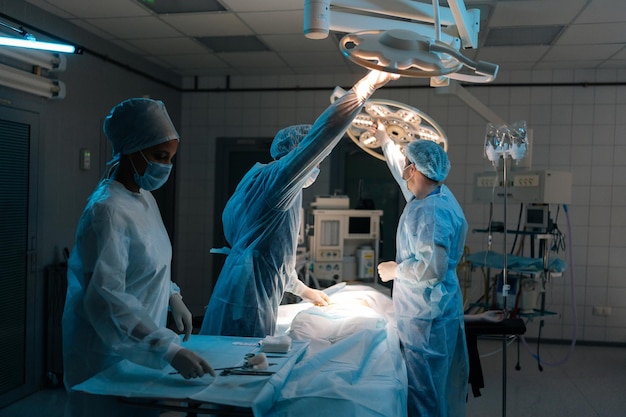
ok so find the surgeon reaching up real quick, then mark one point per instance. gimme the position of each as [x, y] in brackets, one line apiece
[119, 286]
[261, 221]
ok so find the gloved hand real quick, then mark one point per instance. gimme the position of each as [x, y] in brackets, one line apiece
[387, 270]
[371, 82]
[190, 364]
[317, 297]
[381, 133]
[181, 315]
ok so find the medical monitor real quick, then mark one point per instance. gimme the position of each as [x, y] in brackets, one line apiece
[537, 216]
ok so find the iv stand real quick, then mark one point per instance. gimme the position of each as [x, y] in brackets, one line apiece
[505, 285]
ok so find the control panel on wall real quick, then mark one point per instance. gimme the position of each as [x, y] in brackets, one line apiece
[525, 186]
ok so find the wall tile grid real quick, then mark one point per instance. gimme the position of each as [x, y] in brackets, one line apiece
[574, 128]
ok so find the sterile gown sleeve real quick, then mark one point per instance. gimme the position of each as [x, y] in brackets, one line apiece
[425, 235]
[396, 162]
[118, 286]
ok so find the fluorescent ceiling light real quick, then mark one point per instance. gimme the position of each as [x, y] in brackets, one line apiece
[183, 6]
[29, 83]
[32, 44]
[41, 59]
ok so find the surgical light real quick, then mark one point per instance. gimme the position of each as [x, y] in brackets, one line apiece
[413, 55]
[403, 124]
[316, 19]
[405, 37]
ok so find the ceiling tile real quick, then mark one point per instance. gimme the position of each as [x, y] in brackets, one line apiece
[594, 33]
[261, 6]
[272, 23]
[208, 24]
[585, 52]
[135, 27]
[296, 43]
[501, 54]
[169, 46]
[85, 9]
[534, 12]
[314, 59]
[93, 29]
[600, 11]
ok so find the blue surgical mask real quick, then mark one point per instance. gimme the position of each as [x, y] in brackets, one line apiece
[312, 177]
[154, 176]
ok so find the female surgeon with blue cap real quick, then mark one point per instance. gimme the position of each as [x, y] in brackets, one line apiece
[119, 286]
[262, 218]
[427, 299]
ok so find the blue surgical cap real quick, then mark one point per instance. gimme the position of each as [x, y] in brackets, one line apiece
[429, 158]
[288, 139]
[138, 123]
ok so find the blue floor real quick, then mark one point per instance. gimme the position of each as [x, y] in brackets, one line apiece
[589, 384]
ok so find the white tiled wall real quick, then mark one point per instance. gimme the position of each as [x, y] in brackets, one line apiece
[575, 127]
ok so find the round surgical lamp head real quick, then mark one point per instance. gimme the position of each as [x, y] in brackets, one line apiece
[403, 124]
[412, 55]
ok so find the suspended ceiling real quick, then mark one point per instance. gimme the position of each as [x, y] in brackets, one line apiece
[266, 37]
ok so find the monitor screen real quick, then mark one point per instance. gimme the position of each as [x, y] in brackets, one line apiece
[359, 225]
[537, 217]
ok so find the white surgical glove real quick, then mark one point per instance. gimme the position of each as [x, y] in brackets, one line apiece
[317, 297]
[387, 270]
[381, 133]
[371, 82]
[181, 315]
[191, 365]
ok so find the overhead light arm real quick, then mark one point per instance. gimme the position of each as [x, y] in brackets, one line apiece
[319, 18]
[466, 97]
[403, 37]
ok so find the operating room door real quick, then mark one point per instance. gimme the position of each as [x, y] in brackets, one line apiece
[366, 180]
[235, 156]
[18, 359]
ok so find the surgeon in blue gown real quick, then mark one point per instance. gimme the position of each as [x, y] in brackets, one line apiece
[119, 285]
[261, 222]
[427, 299]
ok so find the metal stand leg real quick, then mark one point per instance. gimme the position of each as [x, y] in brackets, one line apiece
[504, 376]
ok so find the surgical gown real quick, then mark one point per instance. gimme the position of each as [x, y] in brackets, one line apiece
[261, 222]
[427, 298]
[118, 294]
